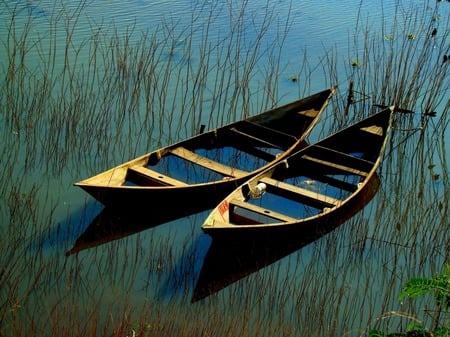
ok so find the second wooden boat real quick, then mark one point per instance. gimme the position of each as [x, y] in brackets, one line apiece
[321, 185]
[198, 172]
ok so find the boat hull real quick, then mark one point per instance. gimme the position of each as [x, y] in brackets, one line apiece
[163, 199]
[198, 172]
[314, 189]
[316, 226]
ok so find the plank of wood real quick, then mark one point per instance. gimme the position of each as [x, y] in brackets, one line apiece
[312, 113]
[115, 177]
[339, 157]
[338, 167]
[156, 176]
[261, 211]
[207, 163]
[374, 129]
[330, 180]
[313, 198]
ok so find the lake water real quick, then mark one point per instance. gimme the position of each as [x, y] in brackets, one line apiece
[86, 86]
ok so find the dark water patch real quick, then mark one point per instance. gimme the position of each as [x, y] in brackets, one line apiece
[112, 224]
[181, 278]
[59, 235]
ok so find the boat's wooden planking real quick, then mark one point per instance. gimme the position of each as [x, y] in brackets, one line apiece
[147, 177]
[311, 113]
[337, 168]
[193, 157]
[259, 210]
[314, 199]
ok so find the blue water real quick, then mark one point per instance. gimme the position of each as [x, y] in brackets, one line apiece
[158, 267]
[322, 30]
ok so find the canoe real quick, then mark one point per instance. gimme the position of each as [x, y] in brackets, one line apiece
[198, 172]
[228, 261]
[321, 185]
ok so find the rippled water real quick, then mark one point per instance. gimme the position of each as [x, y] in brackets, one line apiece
[126, 274]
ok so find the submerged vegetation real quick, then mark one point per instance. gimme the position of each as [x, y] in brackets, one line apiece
[72, 107]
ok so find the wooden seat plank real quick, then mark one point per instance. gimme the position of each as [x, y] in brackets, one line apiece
[374, 129]
[337, 167]
[339, 157]
[154, 176]
[312, 198]
[212, 165]
[261, 211]
[311, 113]
[330, 180]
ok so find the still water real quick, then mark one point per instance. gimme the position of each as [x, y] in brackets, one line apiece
[70, 268]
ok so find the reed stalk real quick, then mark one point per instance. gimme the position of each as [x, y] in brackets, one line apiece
[74, 106]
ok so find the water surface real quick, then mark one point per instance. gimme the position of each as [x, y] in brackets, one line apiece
[76, 100]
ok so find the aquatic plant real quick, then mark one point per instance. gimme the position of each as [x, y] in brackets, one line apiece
[439, 288]
[73, 106]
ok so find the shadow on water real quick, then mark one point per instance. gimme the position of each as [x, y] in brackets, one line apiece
[62, 232]
[229, 260]
[110, 225]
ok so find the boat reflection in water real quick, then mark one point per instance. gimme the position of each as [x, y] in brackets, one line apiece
[228, 261]
[110, 225]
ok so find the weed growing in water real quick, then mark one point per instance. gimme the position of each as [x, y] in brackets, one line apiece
[112, 96]
[439, 288]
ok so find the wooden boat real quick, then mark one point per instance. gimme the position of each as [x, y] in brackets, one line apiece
[321, 185]
[228, 261]
[198, 172]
